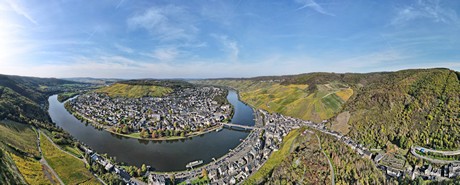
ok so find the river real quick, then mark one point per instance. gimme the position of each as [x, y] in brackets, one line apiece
[161, 155]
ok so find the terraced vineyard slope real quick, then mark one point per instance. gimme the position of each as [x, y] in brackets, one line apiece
[23, 103]
[19, 145]
[69, 168]
[420, 106]
[296, 100]
[134, 91]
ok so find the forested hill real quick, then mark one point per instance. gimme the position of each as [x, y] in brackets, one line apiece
[23, 99]
[419, 106]
[408, 107]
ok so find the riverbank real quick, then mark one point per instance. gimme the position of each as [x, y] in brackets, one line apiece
[165, 156]
[136, 135]
[62, 97]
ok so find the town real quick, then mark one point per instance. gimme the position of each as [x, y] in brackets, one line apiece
[183, 113]
[190, 110]
[252, 153]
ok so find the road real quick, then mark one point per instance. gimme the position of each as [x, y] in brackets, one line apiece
[137, 181]
[328, 160]
[439, 161]
[456, 152]
[240, 126]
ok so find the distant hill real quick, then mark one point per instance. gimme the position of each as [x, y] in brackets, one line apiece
[419, 106]
[408, 107]
[98, 81]
[24, 99]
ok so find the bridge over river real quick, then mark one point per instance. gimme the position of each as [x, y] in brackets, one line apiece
[233, 125]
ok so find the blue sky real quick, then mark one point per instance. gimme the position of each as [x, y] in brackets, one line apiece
[240, 38]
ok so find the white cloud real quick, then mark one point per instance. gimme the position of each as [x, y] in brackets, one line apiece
[166, 23]
[425, 9]
[21, 11]
[314, 6]
[124, 48]
[165, 54]
[12, 45]
[230, 46]
[108, 66]
[373, 60]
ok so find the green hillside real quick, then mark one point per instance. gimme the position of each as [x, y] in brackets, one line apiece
[18, 142]
[134, 90]
[9, 173]
[69, 168]
[406, 107]
[301, 160]
[23, 102]
[419, 106]
[19, 137]
[349, 166]
[296, 100]
[24, 99]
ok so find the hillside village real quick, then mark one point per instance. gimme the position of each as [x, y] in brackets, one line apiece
[252, 153]
[184, 112]
[247, 157]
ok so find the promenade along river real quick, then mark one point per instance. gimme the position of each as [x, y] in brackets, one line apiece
[164, 155]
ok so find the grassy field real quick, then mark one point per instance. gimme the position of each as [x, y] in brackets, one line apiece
[134, 91]
[275, 158]
[19, 136]
[294, 100]
[30, 169]
[66, 95]
[70, 169]
[196, 181]
[74, 151]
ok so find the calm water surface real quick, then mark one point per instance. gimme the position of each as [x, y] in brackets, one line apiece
[165, 155]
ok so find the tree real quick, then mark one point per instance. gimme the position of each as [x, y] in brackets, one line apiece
[167, 133]
[204, 173]
[143, 168]
[143, 134]
[131, 171]
[419, 180]
[172, 178]
[125, 129]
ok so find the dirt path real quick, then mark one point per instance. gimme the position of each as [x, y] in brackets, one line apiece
[46, 167]
[49, 139]
[328, 160]
[55, 145]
